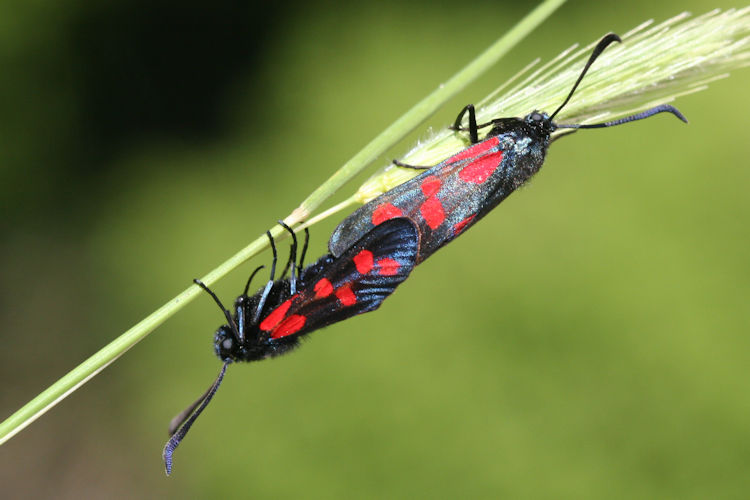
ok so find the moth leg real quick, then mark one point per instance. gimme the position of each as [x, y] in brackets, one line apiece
[269, 285]
[292, 262]
[237, 332]
[473, 128]
[304, 251]
[563, 134]
[250, 279]
[406, 165]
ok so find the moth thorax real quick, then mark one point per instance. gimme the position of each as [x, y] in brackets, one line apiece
[527, 160]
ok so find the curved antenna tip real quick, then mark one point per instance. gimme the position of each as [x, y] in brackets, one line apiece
[600, 46]
[180, 425]
[662, 108]
[676, 112]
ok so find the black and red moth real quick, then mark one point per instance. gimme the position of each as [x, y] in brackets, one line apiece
[273, 321]
[447, 199]
[375, 248]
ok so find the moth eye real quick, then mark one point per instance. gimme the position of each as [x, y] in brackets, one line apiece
[227, 344]
[537, 117]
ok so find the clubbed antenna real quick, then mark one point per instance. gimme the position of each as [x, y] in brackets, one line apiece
[603, 43]
[662, 108]
[180, 425]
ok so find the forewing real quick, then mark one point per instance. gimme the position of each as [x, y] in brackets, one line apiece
[442, 201]
[356, 282]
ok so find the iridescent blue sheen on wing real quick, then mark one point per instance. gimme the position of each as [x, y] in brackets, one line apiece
[358, 281]
[328, 291]
[447, 199]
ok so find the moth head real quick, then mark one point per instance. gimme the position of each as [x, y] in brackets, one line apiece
[226, 345]
[540, 122]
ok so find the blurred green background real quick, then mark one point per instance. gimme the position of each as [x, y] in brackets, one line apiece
[587, 340]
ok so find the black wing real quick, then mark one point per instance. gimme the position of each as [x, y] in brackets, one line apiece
[356, 282]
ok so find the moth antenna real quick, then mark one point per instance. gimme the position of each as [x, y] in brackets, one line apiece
[180, 425]
[662, 108]
[603, 43]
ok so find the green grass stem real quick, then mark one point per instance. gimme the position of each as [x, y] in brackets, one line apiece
[387, 139]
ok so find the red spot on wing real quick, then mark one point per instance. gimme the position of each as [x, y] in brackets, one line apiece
[430, 185]
[432, 211]
[346, 295]
[388, 267]
[292, 324]
[363, 261]
[480, 169]
[475, 150]
[462, 225]
[276, 316]
[323, 288]
[385, 212]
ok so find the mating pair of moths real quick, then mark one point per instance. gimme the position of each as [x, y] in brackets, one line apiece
[374, 249]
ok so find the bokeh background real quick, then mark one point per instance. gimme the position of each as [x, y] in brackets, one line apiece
[589, 339]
